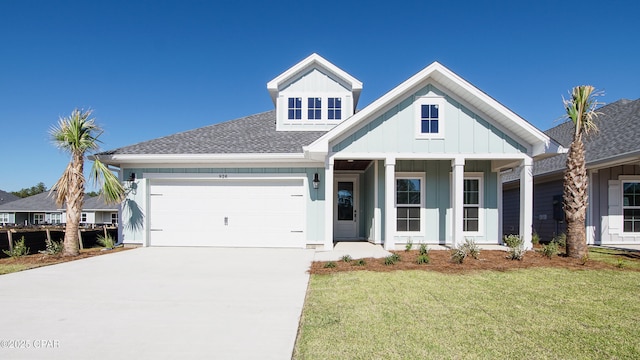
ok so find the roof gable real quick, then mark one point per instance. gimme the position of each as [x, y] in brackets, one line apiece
[461, 91]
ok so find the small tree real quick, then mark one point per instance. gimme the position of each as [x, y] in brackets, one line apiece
[78, 134]
[581, 110]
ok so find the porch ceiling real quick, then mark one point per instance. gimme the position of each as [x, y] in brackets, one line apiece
[357, 165]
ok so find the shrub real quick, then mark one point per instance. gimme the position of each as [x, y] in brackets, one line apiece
[359, 262]
[19, 249]
[513, 241]
[106, 241]
[551, 249]
[561, 240]
[330, 265]
[346, 258]
[621, 264]
[423, 250]
[392, 259]
[584, 259]
[535, 238]
[409, 245]
[471, 248]
[458, 255]
[53, 247]
[423, 259]
[516, 253]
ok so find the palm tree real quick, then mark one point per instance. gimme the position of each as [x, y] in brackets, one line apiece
[581, 110]
[76, 135]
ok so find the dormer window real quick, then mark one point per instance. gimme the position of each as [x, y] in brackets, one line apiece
[314, 108]
[295, 108]
[334, 108]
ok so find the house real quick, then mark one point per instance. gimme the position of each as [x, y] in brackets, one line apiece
[421, 163]
[613, 168]
[42, 209]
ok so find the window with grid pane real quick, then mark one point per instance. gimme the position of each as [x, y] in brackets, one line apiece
[471, 210]
[314, 108]
[631, 206]
[334, 107]
[294, 108]
[408, 204]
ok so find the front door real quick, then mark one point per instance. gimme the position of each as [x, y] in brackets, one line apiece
[345, 210]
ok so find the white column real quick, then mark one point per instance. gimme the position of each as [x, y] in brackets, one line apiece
[377, 211]
[389, 203]
[526, 202]
[500, 213]
[457, 203]
[328, 205]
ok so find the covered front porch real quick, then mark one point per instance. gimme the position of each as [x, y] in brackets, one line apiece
[437, 200]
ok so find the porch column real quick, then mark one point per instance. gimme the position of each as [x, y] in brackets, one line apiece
[377, 211]
[328, 205]
[526, 202]
[457, 203]
[389, 203]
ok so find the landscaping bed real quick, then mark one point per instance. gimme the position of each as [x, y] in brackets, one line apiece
[13, 264]
[440, 261]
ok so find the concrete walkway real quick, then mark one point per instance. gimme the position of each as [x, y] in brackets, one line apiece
[355, 249]
[157, 303]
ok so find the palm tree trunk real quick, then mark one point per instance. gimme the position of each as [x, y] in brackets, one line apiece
[74, 200]
[576, 199]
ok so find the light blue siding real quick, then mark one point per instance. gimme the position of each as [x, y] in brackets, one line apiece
[395, 131]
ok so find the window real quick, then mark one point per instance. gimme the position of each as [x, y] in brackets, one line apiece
[314, 108]
[4, 218]
[409, 204]
[472, 196]
[429, 117]
[83, 218]
[114, 218]
[38, 218]
[631, 206]
[295, 108]
[56, 218]
[334, 108]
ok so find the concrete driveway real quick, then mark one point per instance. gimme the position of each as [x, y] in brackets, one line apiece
[157, 303]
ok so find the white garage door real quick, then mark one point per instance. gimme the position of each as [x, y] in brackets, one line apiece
[243, 213]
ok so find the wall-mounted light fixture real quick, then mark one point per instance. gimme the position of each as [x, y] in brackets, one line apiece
[316, 181]
[132, 177]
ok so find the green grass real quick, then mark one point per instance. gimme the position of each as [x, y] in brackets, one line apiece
[10, 268]
[532, 314]
[629, 259]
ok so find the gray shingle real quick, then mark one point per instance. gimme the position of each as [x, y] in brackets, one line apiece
[44, 202]
[6, 197]
[251, 134]
[619, 133]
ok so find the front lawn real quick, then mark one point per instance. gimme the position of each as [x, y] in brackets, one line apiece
[538, 313]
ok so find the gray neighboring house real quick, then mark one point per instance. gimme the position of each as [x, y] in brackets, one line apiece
[41, 209]
[613, 167]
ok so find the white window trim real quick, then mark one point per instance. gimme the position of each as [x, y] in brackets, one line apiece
[480, 177]
[411, 175]
[4, 218]
[324, 110]
[417, 111]
[626, 179]
[85, 216]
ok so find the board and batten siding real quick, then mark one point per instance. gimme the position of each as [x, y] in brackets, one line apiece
[394, 132]
[136, 205]
[608, 219]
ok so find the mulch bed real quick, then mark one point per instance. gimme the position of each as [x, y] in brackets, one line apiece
[440, 261]
[37, 260]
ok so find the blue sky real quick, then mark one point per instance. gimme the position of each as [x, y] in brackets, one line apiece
[154, 68]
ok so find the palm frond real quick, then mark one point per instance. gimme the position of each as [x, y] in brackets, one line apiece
[60, 189]
[111, 188]
[76, 133]
[581, 107]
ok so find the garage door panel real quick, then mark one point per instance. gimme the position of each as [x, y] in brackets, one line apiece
[227, 213]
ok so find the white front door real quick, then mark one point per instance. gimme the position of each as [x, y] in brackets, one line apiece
[345, 210]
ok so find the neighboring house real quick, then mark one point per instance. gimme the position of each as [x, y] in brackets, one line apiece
[41, 209]
[613, 167]
[422, 164]
[6, 197]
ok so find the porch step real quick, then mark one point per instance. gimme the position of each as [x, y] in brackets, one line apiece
[357, 250]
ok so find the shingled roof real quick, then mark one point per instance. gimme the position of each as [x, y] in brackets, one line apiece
[6, 197]
[45, 203]
[618, 134]
[251, 134]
